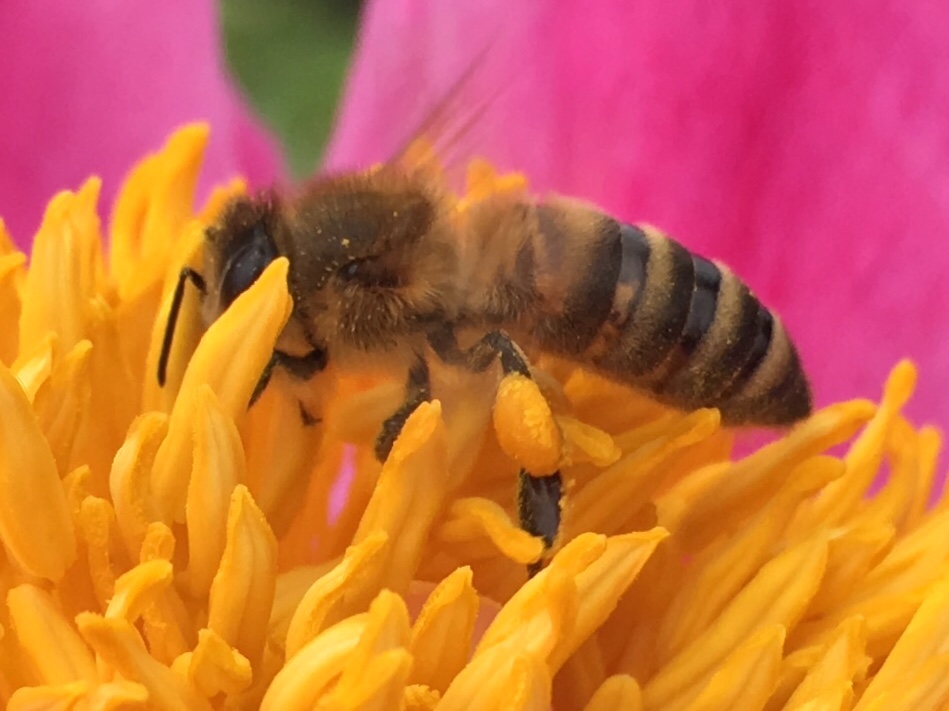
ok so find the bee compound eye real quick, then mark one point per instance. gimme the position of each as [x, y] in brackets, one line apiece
[245, 266]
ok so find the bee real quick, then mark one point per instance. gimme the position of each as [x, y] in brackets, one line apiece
[384, 272]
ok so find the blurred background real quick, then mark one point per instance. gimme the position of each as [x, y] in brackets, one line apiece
[290, 58]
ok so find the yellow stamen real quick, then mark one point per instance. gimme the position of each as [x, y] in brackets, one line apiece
[724, 569]
[840, 662]
[63, 399]
[606, 502]
[217, 668]
[11, 276]
[503, 677]
[778, 594]
[230, 358]
[119, 645]
[32, 502]
[587, 444]
[55, 698]
[242, 592]
[33, 367]
[747, 677]
[152, 209]
[218, 468]
[755, 478]
[863, 460]
[378, 668]
[472, 519]
[139, 587]
[617, 692]
[558, 608]
[924, 640]
[441, 635]
[926, 687]
[97, 528]
[128, 481]
[117, 695]
[323, 604]
[307, 674]
[409, 494]
[65, 270]
[41, 628]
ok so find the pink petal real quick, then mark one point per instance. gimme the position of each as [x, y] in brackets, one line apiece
[806, 144]
[91, 87]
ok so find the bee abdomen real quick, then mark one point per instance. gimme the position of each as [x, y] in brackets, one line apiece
[690, 333]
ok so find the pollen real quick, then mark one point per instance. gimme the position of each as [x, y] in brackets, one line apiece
[525, 426]
[170, 548]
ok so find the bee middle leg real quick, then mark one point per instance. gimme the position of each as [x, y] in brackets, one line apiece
[538, 497]
[301, 367]
[417, 390]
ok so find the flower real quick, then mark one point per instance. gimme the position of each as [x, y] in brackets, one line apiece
[168, 548]
[805, 146]
[94, 86]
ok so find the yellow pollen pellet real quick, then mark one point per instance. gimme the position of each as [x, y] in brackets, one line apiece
[525, 426]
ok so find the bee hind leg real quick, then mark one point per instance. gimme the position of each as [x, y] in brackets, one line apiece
[538, 509]
[417, 391]
[538, 497]
[301, 367]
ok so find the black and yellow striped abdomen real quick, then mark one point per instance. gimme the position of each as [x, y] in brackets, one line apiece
[639, 308]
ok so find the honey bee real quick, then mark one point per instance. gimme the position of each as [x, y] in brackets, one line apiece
[383, 272]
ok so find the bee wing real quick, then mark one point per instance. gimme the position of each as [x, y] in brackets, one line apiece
[452, 130]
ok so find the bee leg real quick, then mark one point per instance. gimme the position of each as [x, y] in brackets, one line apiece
[417, 391]
[301, 367]
[538, 509]
[538, 497]
[477, 358]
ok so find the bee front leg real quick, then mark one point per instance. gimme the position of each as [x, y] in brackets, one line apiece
[538, 497]
[417, 390]
[301, 367]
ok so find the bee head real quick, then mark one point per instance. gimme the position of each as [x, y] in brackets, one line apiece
[239, 248]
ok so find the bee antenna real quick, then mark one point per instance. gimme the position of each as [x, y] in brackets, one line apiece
[186, 274]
